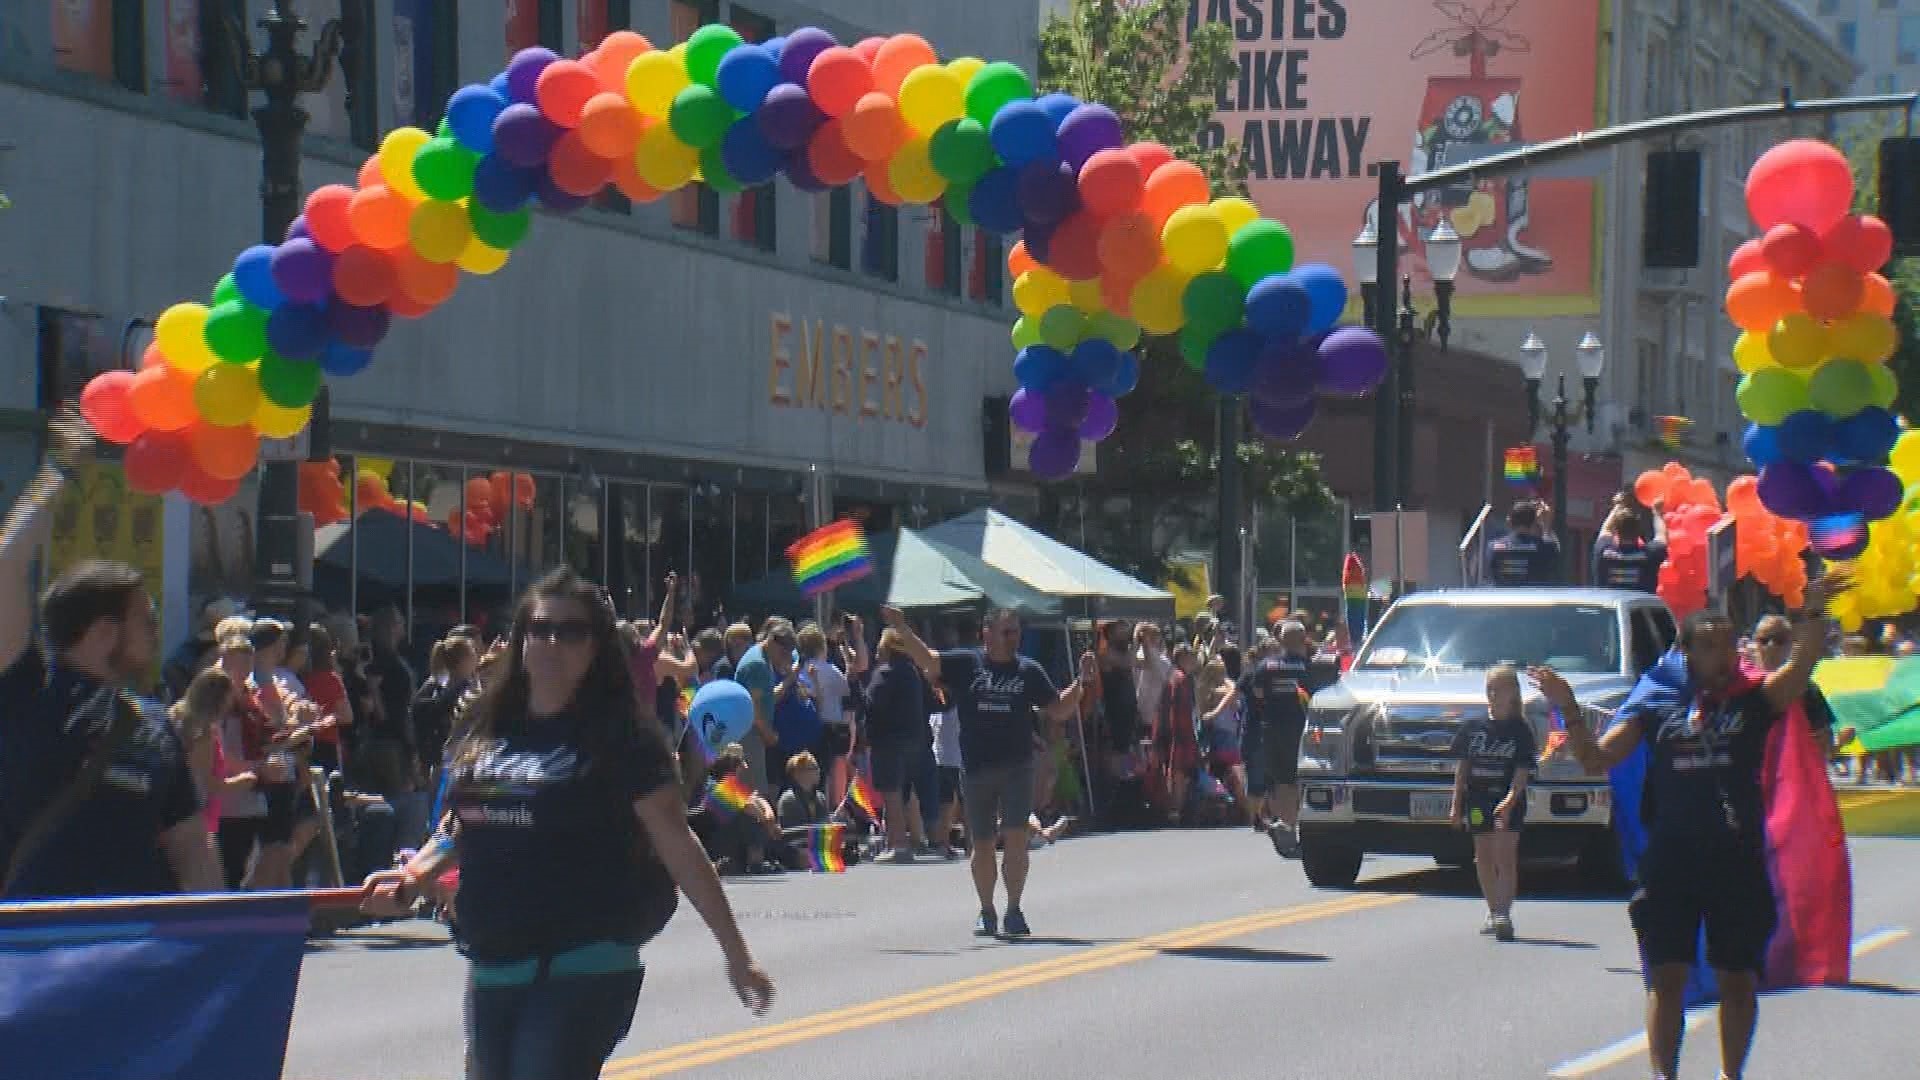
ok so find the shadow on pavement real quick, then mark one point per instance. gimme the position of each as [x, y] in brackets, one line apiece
[1069, 942]
[1559, 884]
[1553, 943]
[1244, 954]
[1876, 989]
[376, 942]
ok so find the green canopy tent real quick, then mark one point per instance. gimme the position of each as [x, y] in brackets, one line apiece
[911, 572]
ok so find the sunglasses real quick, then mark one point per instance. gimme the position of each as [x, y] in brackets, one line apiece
[561, 631]
[1772, 639]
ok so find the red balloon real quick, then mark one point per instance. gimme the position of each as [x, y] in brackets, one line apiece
[1651, 487]
[1074, 251]
[563, 90]
[418, 282]
[364, 277]
[104, 405]
[208, 490]
[524, 490]
[1746, 259]
[1150, 155]
[156, 461]
[1129, 245]
[502, 486]
[1833, 291]
[1860, 241]
[1802, 182]
[1791, 250]
[326, 213]
[838, 78]
[832, 161]
[1111, 182]
[868, 48]
[406, 307]
[1877, 296]
[1116, 290]
[575, 168]
[224, 453]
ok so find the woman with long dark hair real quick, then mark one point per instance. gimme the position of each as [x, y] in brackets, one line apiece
[566, 822]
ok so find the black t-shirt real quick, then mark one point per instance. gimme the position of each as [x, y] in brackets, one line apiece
[1628, 566]
[551, 854]
[998, 705]
[1524, 560]
[722, 669]
[1121, 704]
[1276, 693]
[396, 695]
[897, 702]
[1703, 780]
[1495, 752]
[109, 845]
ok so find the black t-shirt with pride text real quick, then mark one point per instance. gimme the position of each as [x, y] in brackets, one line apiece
[998, 705]
[1495, 751]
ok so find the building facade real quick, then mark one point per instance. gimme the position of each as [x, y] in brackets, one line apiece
[688, 385]
[1882, 36]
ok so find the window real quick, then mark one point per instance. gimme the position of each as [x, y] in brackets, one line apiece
[1907, 40]
[1646, 380]
[594, 19]
[1888, 84]
[1647, 647]
[833, 227]
[712, 539]
[753, 219]
[942, 255]
[880, 244]
[1582, 638]
[696, 206]
[749, 536]
[988, 282]
[105, 39]
[426, 49]
[71, 350]
[1828, 7]
[533, 22]
[1846, 34]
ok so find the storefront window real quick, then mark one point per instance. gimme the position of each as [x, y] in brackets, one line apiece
[627, 573]
[712, 554]
[544, 551]
[749, 536]
[670, 550]
[585, 523]
[786, 522]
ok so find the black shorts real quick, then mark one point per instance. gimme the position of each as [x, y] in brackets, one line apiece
[833, 744]
[892, 762]
[1480, 808]
[287, 805]
[1280, 752]
[949, 783]
[1728, 892]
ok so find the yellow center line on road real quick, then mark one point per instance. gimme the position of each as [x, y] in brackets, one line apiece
[755, 1040]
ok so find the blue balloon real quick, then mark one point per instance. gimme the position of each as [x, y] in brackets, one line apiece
[342, 361]
[471, 112]
[1041, 367]
[1866, 437]
[747, 154]
[995, 200]
[1805, 436]
[501, 186]
[498, 84]
[745, 76]
[1058, 107]
[1125, 378]
[1326, 295]
[1279, 307]
[775, 45]
[1095, 362]
[1232, 361]
[298, 331]
[1762, 445]
[1022, 132]
[253, 276]
[722, 712]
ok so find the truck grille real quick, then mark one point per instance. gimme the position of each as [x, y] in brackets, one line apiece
[1421, 735]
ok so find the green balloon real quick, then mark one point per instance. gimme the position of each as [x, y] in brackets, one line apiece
[1123, 332]
[288, 383]
[1886, 386]
[956, 200]
[1214, 300]
[706, 48]
[224, 290]
[498, 231]
[700, 116]
[961, 151]
[1195, 340]
[1261, 248]
[1062, 326]
[1025, 332]
[1770, 395]
[1841, 388]
[444, 169]
[445, 130]
[237, 332]
[713, 172]
[993, 87]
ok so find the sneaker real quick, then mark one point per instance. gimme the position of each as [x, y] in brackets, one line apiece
[930, 851]
[896, 857]
[1017, 924]
[1286, 842]
[1490, 927]
[1503, 928]
[952, 853]
[987, 925]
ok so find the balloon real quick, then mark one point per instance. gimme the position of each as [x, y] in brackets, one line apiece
[1791, 490]
[993, 87]
[439, 231]
[1086, 131]
[1102, 417]
[1286, 375]
[1353, 361]
[1156, 300]
[1650, 487]
[1758, 301]
[471, 112]
[1864, 336]
[205, 490]
[1238, 213]
[225, 290]
[745, 75]
[699, 116]
[1762, 445]
[1195, 341]
[364, 276]
[1832, 291]
[553, 198]
[274, 422]
[1028, 410]
[1743, 497]
[1803, 182]
[1067, 404]
[721, 713]
[159, 398]
[1797, 342]
[422, 282]
[1326, 295]
[303, 271]
[1876, 296]
[873, 128]
[1873, 493]
[799, 51]
[747, 155]
[961, 151]
[1231, 360]
[1062, 326]
[1768, 396]
[523, 73]
[1905, 458]
[1054, 454]
[706, 47]
[609, 126]
[563, 89]
[1059, 106]
[1040, 367]
[1048, 192]
[357, 327]
[1751, 353]
[1172, 186]
[1281, 422]
[288, 383]
[665, 162]
[879, 186]
[501, 186]
[788, 117]
[227, 394]
[1805, 436]
[236, 333]
[396, 156]
[1841, 388]
[994, 200]
[1214, 301]
[1074, 251]
[1110, 182]
[1026, 331]
[1195, 239]
[1790, 250]
[626, 178]
[180, 332]
[1746, 259]
[617, 51]
[379, 218]
[1129, 244]
[523, 136]
[1260, 249]
[1150, 155]
[105, 405]
[897, 58]
[1886, 387]
[224, 453]
[341, 360]
[1095, 361]
[155, 462]
[912, 174]
[1860, 242]
[297, 330]
[1023, 133]
[1128, 375]
[1038, 291]
[1279, 307]
[653, 80]
[929, 97]
[253, 277]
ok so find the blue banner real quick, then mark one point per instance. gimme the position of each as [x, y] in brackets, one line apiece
[152, 989]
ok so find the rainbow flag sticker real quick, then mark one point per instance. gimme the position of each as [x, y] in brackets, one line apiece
[830, 557]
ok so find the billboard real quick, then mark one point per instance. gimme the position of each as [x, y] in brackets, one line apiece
[1326, 88]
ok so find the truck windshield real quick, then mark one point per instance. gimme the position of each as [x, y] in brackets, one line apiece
[1572, 638]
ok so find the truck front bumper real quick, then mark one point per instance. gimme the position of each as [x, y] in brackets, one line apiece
[1412, 817]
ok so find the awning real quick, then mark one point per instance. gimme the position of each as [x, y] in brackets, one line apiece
[1091, 587]
[910, 572]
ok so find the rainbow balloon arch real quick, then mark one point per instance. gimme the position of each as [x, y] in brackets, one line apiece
[1117, 239]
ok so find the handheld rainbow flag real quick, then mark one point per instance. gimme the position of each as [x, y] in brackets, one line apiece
[830, 557]
[728, 796]
[1673, 430]
[826, 849]
[1522, 466]
[860, 790]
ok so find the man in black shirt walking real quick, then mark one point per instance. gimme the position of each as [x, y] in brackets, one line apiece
[1276, 692]
[1528, 554]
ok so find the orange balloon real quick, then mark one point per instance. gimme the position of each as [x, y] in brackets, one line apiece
[1876, 296]
[1832, 291]
[406, 307]
[162, 397]
[832, 161]
[419, 282]
[1019, 261]
[327, 220]
[869, 47]
[1116, 291]
[616, 52]
[502, 486]
[370, 174]
[1150, 155]
[897, 58]
[524, 490]
[609, 125]
[1651, 487]
[1743, 499]
[1757, 301]
[563, 89]
[1746, 259]
[224, 453]
[1172, 186]
[626, 177]
[879, 185]
[479, 494]
[576, 169]
[152, 356]
[379, 217]
[1129, 245]
[837, 79]
[364, 277]
[874, 129]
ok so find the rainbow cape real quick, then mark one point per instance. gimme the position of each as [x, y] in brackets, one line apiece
[826, 849]
[830, 557]
[1353, 589]
[728, 797]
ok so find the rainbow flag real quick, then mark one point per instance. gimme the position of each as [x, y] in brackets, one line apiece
[826, 849]
[1522, 466]
[830, 557]
[863, 796]
[1673, 430]
[728, 796]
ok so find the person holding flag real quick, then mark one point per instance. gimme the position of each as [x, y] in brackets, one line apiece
[1706, 723]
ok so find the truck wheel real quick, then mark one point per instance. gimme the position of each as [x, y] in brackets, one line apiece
[1331, 865]
[1454, 862]
[1599, 866]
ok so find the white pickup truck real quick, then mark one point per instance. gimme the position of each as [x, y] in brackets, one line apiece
[1376, 765]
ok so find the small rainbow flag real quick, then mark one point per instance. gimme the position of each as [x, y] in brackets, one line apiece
[728, 796]
[826, 849]
[861, 792]
[1522, 466]
[1673, 430]
[830, 557]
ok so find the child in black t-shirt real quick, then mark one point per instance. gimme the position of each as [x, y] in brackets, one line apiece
[1496, 755]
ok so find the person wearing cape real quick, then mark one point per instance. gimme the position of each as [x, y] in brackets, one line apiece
[1726, 811]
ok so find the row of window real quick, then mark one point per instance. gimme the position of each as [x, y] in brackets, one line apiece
[204, 43]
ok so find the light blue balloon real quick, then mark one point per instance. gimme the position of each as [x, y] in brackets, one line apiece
[722, 712]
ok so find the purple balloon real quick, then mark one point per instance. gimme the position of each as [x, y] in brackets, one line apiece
[357, 327]
[1048, 192]
[800, 172]
[523, 73]
[1039, 238]
[1281, 422]
[1067, 404]
[796, 56]
[560, 202]
[1102, 417]
[1286, 376]
[1792, 490]
[1028, 411]
[1873, 493]
[523, 136]
[1086, 131]
[298, 331]
[303, 270]
[1353, 362]
[788, 116]
[1054, 453]
[297, 228]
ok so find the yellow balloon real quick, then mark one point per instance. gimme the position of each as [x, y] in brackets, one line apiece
[1086, 295]
[1195, 239]
[1864, 336]
[439, 231]
[1750, 353]
[1797, 341]
[654, 78]
[274, 422]
[1039, 289]
[478, 258]
[912, 173]
[1906, 457]
[227, 395]
[930, 96]
[1157, 300]
[181, 333]
[396, 160]
[1235, 212]
[966, 67]
[663, 161]
[380, 467]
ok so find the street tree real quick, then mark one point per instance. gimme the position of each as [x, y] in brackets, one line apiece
[1862, 145]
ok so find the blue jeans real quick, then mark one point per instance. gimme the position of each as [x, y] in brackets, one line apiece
[554, 1028]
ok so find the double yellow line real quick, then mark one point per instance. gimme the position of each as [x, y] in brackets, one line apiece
[754, 1040]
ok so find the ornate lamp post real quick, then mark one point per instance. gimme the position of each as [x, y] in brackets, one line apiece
[1592, 360]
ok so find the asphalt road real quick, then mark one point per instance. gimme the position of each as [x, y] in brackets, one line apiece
[1171, 954]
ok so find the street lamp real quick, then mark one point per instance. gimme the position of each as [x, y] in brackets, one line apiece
[1443, 265]
[1592, 359]
[1366, 266]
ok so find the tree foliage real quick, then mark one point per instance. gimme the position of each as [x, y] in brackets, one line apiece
[1154, 491]
[1862, 145]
